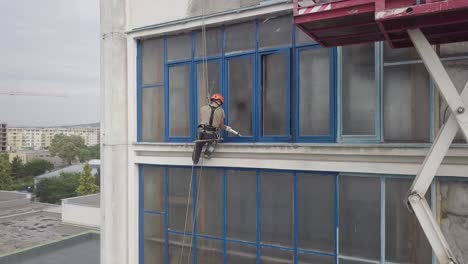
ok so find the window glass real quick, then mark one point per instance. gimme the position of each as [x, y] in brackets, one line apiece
[154, 242]
[152, 115]
[405, 241]
[207, 74]
[406, 103]
[348, 261]
[359, 217]
[179, 47]
[316, 212]
[153, 227]
[454, 49]
[179, 249]
[244, 31]
[179, 103]
[179, 183]
[458, 72]
[302, 38]
[153, 188]
[212, 43]
[210, 202]
[403, 54]
[238, 253]
[275, 256]
[275, 32]
[209, 251]
[275, 73]
[358, 90]
[314, 92]
[240, 76]
[314, 259]
[276, 208]
[152, 61]
[241, 205]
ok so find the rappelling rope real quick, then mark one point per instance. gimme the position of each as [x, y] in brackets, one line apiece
[208, 92]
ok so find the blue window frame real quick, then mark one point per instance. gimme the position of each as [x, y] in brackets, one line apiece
[208, 77]
[235, 213]
[179, 102]
[287, 53]
[274, 95]
[240, 96]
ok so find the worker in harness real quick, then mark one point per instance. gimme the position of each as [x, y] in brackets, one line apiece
[211, 120]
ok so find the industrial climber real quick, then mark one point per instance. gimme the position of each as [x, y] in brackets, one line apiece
[211, 119]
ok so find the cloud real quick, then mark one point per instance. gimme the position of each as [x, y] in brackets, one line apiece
[49, 46]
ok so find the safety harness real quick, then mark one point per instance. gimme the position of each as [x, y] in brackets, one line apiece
[210, 127]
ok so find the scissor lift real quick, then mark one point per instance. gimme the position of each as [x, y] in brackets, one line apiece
[403, 23]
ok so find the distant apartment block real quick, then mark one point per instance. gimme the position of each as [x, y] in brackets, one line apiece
[3, 137]
[29, 155]
[40, 138]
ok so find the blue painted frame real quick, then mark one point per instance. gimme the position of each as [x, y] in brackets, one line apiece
[291, 49]
[259, 91]
[257, 243]
[227, 59]
[192, 101]
[218, 60]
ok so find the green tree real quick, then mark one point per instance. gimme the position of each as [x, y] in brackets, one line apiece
[95, 152]
[37, 167]
[87, 182]
[84, 155]
[6, 181]
[17, 167]
[68, 148]
[52, 190]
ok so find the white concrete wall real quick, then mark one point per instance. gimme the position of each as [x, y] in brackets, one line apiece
[149, 12]
[81, 215]
[83, 211]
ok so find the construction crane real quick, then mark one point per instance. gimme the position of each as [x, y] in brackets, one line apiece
[11, 93]
[403, 23]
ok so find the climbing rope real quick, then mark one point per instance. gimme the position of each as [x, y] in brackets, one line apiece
[208, 92]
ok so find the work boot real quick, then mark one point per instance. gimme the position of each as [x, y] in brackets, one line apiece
[207, 155]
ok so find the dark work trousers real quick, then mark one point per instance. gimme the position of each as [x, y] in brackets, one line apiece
[202, 135]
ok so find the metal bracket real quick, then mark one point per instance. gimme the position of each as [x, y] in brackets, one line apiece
[458, 119]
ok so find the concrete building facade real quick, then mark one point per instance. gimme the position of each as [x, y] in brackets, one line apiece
[40, 138]
[3, 137]
[29, 155]
[332, 140]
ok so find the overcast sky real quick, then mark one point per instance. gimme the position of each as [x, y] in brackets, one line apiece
[49, 47]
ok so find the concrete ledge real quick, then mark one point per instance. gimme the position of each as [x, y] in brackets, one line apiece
[377, 158]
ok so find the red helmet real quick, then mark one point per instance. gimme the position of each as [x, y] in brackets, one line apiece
[217, 96]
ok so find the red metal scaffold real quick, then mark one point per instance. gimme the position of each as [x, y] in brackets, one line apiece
[402, 23]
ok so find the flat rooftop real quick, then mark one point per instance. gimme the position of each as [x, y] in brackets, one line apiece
[79, 249]
[31, 225]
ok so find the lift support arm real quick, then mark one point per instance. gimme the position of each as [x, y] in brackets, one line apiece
[458, 119]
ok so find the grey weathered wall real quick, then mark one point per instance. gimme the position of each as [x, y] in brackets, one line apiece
[454, 221]
[195, 8]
